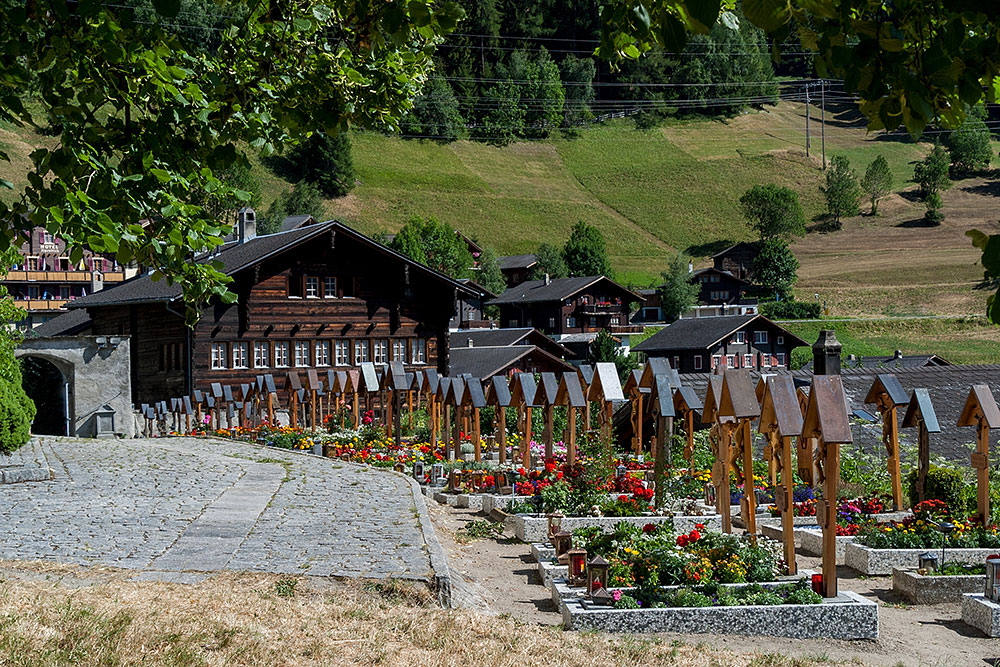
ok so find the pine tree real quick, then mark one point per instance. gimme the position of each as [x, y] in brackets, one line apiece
[877, 182]
[585, 252]
[678, 293]
[326, 162]
[842, 191]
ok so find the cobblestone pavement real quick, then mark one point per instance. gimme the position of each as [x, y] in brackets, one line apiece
[190, 505]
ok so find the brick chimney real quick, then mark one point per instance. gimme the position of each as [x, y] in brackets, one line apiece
[826, 353]
[246, 226]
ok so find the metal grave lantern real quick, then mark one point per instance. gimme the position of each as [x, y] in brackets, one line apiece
[554, 523]
[920, 413]
[597, 574]
[602, 598]
[888, 395]
[418, 471]
[437, 474]
[827, 421]
[739, 401]
[577, 567]
[982, 412]
[993, 578]
[780, 421]
[399, 466]
[562, 542]
[105, 422]
[927, 563]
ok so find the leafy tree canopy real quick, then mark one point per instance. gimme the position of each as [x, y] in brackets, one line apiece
[303, 199]
[773, 211]
[490, 276]
[969, 145]
[17, 411]
[877, 182]
[435, 244]
[585, 252]
[776, 267]
[842, 191]
[550, 260]
[678, 293]
[146, 116]
[932, 172]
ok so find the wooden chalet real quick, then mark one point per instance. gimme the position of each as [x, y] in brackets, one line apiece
[318, 296]
[737, 260]
[517, 269]
[718, 286]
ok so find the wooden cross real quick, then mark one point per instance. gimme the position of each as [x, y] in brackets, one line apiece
[475, 399]
[399, 385]
[647, 381]
[431, 383]
[313, 385]
[498, 395]
[920, 413]
[456, 392]
[827, 421]
[982, 412]
[739, 401]
[546, 396]
[636, 393]
[661, 403]
[781, 417]
[523, 395]
[806, 452]
[686, 404]
[586, 372]
[443, 389]
[570, 394]
[721, 435]
[887, 395]
[292, 386]
[272, 395]
[606, 389]
[772, 450]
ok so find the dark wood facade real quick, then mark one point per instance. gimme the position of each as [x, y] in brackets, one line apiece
[737, 260]
[332, 300]
[718, 286]
[574, 307]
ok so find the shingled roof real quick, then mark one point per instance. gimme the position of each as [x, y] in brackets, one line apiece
[556, 289]
[485, 362]
[503, 337]
[67, 324]
[236, 257]
[509, 262]
[699, 333]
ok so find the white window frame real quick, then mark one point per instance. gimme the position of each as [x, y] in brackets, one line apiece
[241, 351]
[282, 350]
[731, 361]
[329, 287]
[739, 338]
[697, 362]
[748, 360]
[342, 352]
[552, 323]
[716, 360]
[570, 322]
[765, 360]
[219, 354]
[380, 350]
[760, 338]
[261, 358]
[361, 351]
[399, 350]
[321, 353]
[781, 358]
[312, 287]
[615, 321]
[418, 351]
[301, 354]
[780, 340]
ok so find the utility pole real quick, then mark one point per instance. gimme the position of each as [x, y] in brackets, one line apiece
[807, 120]
[822, 123]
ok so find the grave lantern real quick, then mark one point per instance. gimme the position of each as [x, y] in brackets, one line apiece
[621, 471]
[993, 578]
[602, 597]
[927, 563]
[555, 523]
[418, 471]
[597, 574]
[437, 473]
[946, 528]
[399, 467]
[453, 480]
[105, 418]
[577, 567]
[563, 542]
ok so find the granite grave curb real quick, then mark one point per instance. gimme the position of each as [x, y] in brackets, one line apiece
[20, 474]
[922, 589]
[882, 561]
[981, 613]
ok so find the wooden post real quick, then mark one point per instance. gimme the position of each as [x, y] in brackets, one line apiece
[920, 413]
[526, 443]
[749, 501]
[548, 435]
[571, 435]
[475, 434]
[787, 494]
[456, 430]
[501, 417]
[447, 428]
[887, 395]
[409, 408]
[781, 420]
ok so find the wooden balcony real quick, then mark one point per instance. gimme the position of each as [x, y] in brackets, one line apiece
[60, 277]
[40, 305]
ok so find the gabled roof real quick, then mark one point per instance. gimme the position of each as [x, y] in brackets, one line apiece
[238, 256]
[504, 337]
[479, 288]
[296, 221]
[67, 324]
[510, 262]
[728, 250]
[485, 362]
[699, 333]
[557, 289]
[712, 269]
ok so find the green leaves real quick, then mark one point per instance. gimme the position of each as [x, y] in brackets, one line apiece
[767, 14]
[989, 244]
[167, 8]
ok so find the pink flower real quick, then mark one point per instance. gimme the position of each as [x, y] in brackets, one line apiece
[616, 596]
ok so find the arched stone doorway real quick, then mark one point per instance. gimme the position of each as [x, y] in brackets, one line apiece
[48, 387]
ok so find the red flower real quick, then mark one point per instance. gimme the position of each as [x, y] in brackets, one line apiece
[695, 536]
[622, 499]
[682, 540]
[699, 526]
[649, 528]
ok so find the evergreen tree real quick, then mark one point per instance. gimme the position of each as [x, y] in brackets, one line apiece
[435, 114]
[325, 161]
[303, 199]
[605, 348]
[678, 293]
[585, 252]
[435, 244]
[842, 191]
[877, 182]
[17, 411]
[969, 145]
[773, 211]
[549, 260]
[776, 267]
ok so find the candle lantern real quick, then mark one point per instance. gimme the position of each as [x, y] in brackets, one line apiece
[621, 471]
[577, 567]
[710, 495]
[817, 584]
[399, 467]
[946, 528]
[477, 479]
[928, 563]
[418, 471]
[437, 473]
[602, 597]
[597, 574]
[453, 480]
[555, 523]
[993, 578]
[563, 542]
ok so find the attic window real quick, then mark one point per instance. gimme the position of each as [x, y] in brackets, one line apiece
[295, 287]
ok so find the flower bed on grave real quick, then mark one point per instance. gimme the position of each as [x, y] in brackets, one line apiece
[947, 584]
[879, 548]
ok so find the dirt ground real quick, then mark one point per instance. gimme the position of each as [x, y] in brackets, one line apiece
[499, 577]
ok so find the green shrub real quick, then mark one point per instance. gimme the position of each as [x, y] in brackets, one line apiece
[685, 597]
[803, 595]
[626, 602]
[790, 310]
[17, 412]
[944, 484]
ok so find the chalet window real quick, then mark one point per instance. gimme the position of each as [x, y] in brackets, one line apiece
[46, 237]
[570, 322]
[312, 288]
[329, 288]
[240, 355]
[295, 287]
[731, 361]
[360, 351]
[98, 265]
[697, 362]
[260, 355]
[418, 351]
[64, 291]
[527, 322]
[33, 291]
[342, 352]
[32, 264]
[719, 295]
[380, 351]
[512, 323]
[715, 360]
[281, 354]
[218, 356]
[748, 361]
[301, 353]
[781, 340]
[615, 321]
[170, 357]
[322, 353]
[765, 361]
[714, 278]
[552, 323]
[739, 337]
[399, 349]
[760, 338]
[781, 358]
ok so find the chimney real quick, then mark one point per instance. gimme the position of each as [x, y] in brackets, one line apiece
[897, 355]
[547, 279]
[826, 353]
[468, 342]
[246, 225]
[690, 267]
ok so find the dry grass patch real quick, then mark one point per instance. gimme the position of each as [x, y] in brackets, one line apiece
[247, 619]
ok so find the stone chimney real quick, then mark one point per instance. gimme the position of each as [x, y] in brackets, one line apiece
[897, 355]
[826, 353]
[547, 279]
[246, 226]
[469, 343]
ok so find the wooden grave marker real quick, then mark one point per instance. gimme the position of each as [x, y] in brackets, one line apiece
[686, 405]
[293, 386]
[548, 388]
[827, 421]
[662, 407]
[586, 373]
[474, 400]
[920, 413]
[313, 386]
[606, 390]
[430, 389]
[720, 435]
[780, 421]
[982, 412]
[739, 401]
[888, 395]
[454, 400]
[636, 394]
[523, 396]
[570, 394]
[498, 395]
[440, 397]
[772, 448]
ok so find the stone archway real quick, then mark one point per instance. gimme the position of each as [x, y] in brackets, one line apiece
[47, 385]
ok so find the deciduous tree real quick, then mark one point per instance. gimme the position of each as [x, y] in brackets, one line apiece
[435, 114]
[932, 176]
[842, 191]
[549, 261]
[969, 145]
[877, 182]
[773, 211]
[435, 244]
[585, 252]
[303, 199]
[776, 267]
[678, 293]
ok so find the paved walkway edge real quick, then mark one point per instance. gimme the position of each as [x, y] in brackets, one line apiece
[439, 562]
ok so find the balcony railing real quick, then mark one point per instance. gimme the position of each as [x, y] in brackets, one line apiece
[40, 305]
[60, 276]
[598, 309]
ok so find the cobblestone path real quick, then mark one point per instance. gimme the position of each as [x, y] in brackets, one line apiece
[189, 505]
